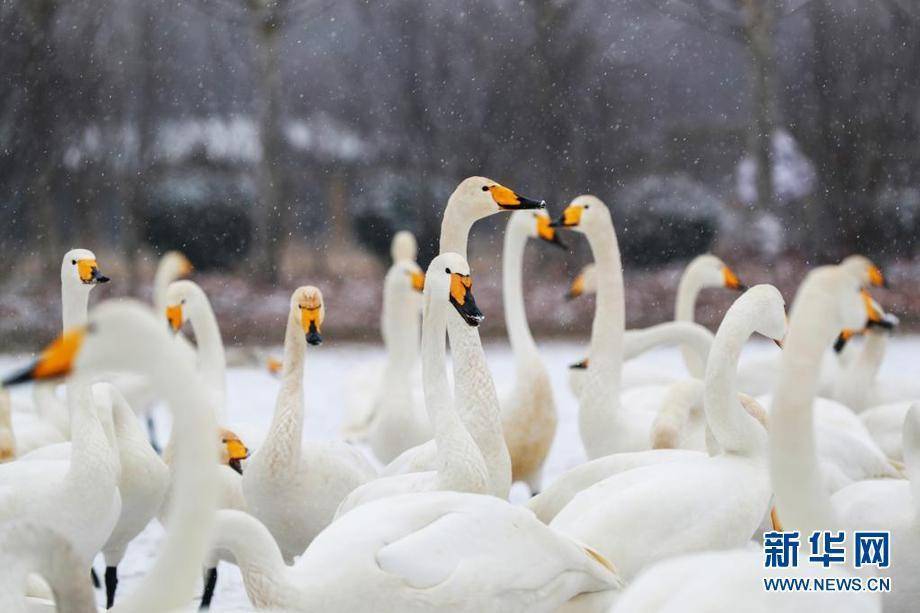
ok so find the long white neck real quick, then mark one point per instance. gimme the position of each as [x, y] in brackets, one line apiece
[690, 335]
[476, 398]
[685, 310]
[93, 472]
[606, 350]
[599, 401]
[455, 228]
[733, 428]
[170, 583]
[855, 381]
[282, 443]
[522, 343]
[212, 361]
[267, 578]
[167, 272]
[401, 325]
[801, 496]
[461, 466]
[74, 302]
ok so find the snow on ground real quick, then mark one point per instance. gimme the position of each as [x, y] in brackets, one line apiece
[251, 398]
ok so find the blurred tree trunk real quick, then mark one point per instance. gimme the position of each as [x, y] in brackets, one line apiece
[759, 25]
[137, 181]
[267, 216]
[42, 126]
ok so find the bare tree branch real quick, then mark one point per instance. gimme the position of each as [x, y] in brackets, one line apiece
[703, 16]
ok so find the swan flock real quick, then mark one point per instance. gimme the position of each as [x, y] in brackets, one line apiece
[745, 484]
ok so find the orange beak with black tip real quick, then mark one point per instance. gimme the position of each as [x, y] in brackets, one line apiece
[55, 361]
[510, 200]
[731, 281]
[461, 296]
[570, 218]
[577, 288]
[548, 233]
[89, 272]
[174, 316]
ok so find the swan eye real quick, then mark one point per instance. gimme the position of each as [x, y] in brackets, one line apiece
[586, 207]
[447, 270]
[74, 262]
[485, 188]
[182, 301]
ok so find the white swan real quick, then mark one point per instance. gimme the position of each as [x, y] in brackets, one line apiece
[605, 423]
[294, 487]
[528, 409]
[50, 423]
[704, 271]
[141, 396]
[641, 516]
[461, 466]
[392, 418]
[827, 301]
[474, 199]
[758, 374]
[76, 495]
[102, 347]
[7, 439]
[369, 385]
[443, 551]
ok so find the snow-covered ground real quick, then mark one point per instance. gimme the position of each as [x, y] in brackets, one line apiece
[251, 398]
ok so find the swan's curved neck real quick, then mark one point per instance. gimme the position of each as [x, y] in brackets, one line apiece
[282, 443]
[264, 572]
[166, 273]
[685, 310]
[854, 383]
[733, 428]
[212, 361]
[455, 228]
[693, 336]
[93, 471]
[401, 329]
[476, 398]
[458, 455]
[169, 584]
[802, 500]
[606, 351]
[522, 343]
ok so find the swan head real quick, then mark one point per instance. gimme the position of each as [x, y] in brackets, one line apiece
[79, 268]
[584, 214]
[403, 246]
[308, 309]
[96, 346]
[232, 450]
[865, 269]
[583, 283]
[176, 264]
[449, 277]
[535, 224]
[483, 197]
[182, 297]
[767, 306]
[876, 320]
[713, 272]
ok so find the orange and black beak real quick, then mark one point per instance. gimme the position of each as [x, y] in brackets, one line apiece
[583, 365]
[461, 296]
[731, 281]
[842, 339]
[876, 317]
[570, 218]
[174, 316]
[310, 320]
[236, 450]
[547, 233]
[55, 361]
[510, 200]
[89, 272]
